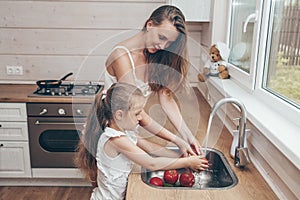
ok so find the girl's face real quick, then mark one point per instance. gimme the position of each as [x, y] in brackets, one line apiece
[130, 119]
[161, 36]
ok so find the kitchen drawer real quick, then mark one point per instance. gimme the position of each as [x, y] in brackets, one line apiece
[13, 112]
[13, 131]
[14, 159]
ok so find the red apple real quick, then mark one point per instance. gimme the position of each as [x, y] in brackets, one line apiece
[187, 179]
[171, 176]
[156, 181]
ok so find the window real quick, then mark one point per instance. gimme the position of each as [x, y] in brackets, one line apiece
[242, 27]
[265, 51]
[243, 40]
[282, 72]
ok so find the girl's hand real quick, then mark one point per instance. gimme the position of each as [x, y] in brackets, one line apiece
[197, 163]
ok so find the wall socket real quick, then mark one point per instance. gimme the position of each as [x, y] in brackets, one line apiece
[14, 70]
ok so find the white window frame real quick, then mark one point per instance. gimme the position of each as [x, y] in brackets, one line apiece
[253, 82]
[248, 79]
[280, 105]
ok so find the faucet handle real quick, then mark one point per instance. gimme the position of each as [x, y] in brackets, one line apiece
[241, 157]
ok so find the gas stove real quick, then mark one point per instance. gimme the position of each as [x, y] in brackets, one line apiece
[69, 89]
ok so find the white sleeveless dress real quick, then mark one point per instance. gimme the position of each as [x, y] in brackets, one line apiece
[109, 79]
[112, 172]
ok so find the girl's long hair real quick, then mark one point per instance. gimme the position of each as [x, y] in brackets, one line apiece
[117, 97]
[86, 149]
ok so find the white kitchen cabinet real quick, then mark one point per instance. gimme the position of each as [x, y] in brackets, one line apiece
[13, 112]
[14, 145]
[194, 10]
[14, 159]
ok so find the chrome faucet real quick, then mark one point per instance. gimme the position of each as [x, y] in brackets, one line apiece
[241, 157]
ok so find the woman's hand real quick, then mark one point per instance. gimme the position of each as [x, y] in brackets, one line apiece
[184, 147]
[196, 147]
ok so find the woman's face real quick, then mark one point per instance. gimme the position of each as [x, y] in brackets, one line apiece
[161, 36]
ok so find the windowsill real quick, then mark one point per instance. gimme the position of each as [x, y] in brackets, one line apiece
[284, 134]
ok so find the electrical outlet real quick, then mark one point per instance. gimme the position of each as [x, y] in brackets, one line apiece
[18, 70]
[10, 70]
[14, 70]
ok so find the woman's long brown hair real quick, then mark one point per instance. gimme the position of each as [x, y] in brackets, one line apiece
[168, 67]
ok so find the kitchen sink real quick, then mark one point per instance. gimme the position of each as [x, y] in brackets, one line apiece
[219, 175]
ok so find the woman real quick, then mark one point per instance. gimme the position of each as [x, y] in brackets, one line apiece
[156, 57]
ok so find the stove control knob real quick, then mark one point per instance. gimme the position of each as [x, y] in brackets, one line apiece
[44, 111]
[79, 112]
[61, 111]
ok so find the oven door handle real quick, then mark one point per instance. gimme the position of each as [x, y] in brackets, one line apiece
[37, 122]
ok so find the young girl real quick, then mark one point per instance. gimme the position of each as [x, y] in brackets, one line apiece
[114, 119]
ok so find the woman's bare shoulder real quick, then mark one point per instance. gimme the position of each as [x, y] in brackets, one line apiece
[117, 54]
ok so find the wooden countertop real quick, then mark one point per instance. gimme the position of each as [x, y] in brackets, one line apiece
[251, 185]
[18, 93]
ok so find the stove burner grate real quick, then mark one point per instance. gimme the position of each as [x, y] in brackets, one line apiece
[68, 89]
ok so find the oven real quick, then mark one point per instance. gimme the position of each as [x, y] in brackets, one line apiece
[56, 116]
[54, 132]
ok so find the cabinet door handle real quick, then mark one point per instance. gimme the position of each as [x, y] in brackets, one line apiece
[1, 145]
[0, 125]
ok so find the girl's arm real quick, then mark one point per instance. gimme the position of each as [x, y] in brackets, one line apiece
[125, 146]
[156, 149]
[170, 107]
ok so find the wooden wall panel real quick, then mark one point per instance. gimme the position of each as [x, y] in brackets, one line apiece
[69, 14]
[85, 68]
[70, 41]
[59, 41]
[52, 38]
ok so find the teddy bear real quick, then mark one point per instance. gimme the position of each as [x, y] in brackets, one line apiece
[216, 65]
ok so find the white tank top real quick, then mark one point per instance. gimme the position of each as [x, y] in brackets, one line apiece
[113, 172]
[109, 79]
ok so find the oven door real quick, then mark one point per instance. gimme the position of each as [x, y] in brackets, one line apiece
[53, 141]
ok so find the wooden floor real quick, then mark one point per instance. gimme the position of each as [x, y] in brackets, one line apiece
[45, 193]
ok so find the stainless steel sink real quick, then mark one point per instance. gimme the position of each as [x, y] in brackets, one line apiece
[219, 175]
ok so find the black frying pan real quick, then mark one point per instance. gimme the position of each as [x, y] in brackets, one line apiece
[52, 83]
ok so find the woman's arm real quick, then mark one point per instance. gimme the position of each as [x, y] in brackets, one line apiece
[119, 65]
[155, 128]
[170, 107]
[125, 146]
